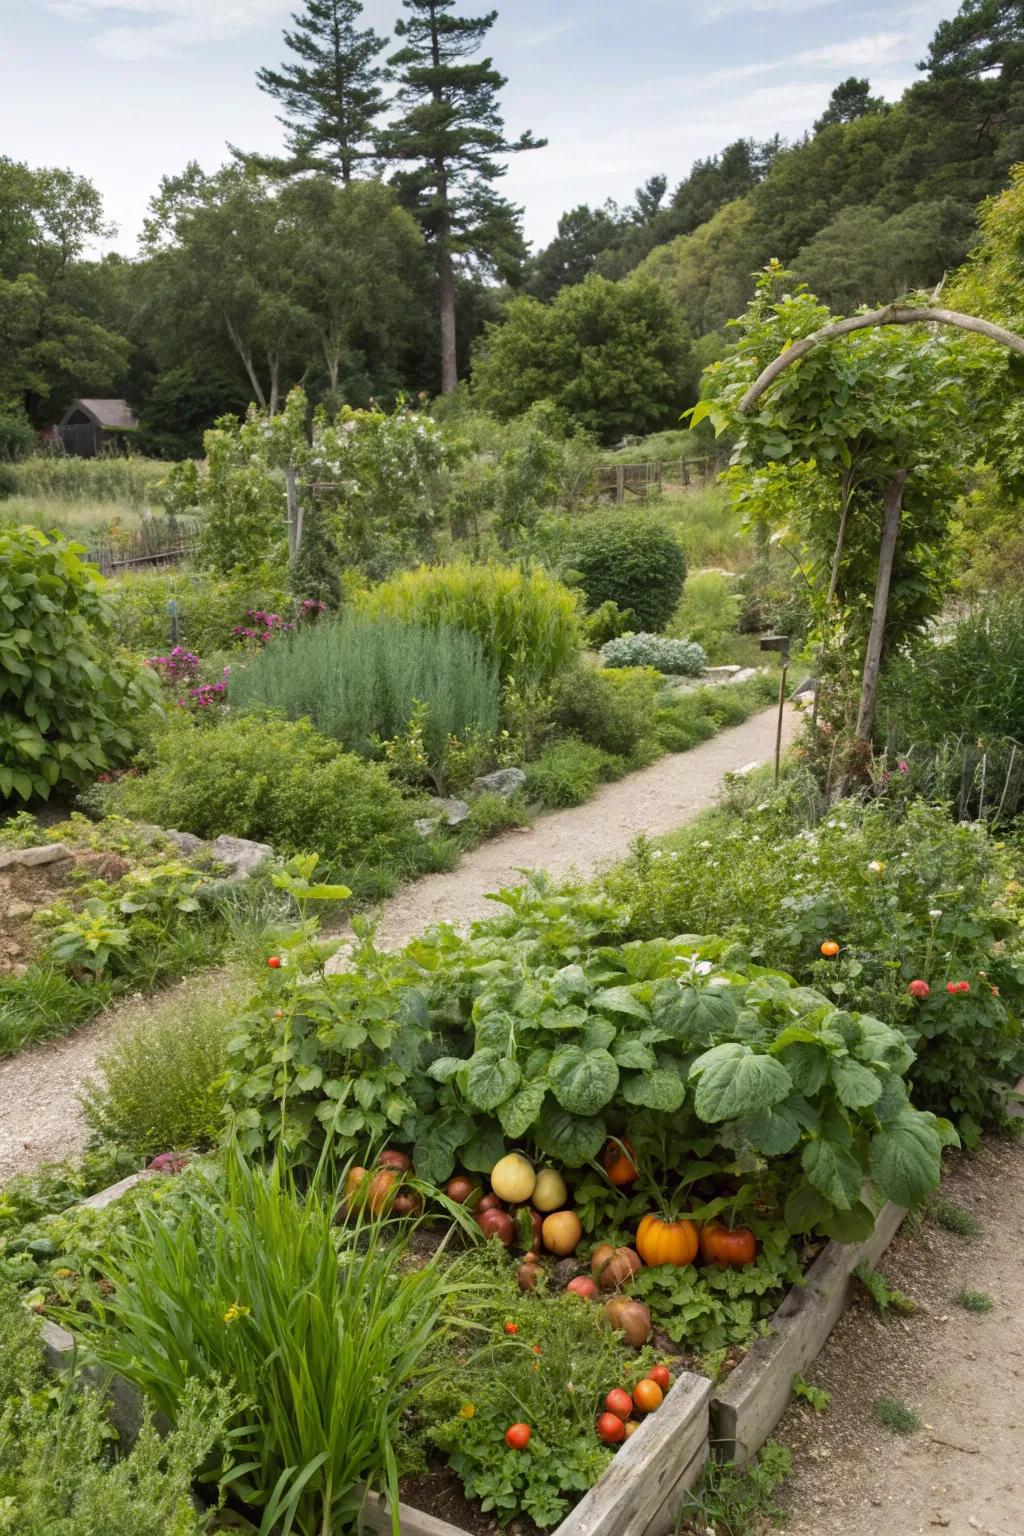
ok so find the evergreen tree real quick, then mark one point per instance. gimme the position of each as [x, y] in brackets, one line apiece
[332, 93]
[448, 140]
[850, 100]
[314, 574]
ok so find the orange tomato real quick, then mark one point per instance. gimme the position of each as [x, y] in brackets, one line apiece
[666, 1242]
[648, 1395]
[618, 1162]
[830, 949]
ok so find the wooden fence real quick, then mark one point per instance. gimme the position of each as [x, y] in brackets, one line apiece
[159, 541]
[617, 481]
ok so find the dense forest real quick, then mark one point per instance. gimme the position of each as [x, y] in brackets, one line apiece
[377, 255]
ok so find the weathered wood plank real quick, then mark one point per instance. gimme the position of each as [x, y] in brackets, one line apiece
[666, 1521]
[746, 1409]
[105, 1197]
[412, 1522]
[647, 1470]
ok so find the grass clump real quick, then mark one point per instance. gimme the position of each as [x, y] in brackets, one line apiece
[893, 1413]
[973, 1301]
[737, 1501]
[955, 1218]
[324, 1331]
[156, 1087]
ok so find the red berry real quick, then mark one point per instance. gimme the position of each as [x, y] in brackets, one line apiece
[919, 989]
[952, 987]
[517, 1436]
[274, 962]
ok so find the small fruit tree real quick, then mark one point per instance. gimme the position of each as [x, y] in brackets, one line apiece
[861, 450]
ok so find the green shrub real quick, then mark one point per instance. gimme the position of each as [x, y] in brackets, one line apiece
[527, 623]
[610, 710]
[905, 892]
[155, 1088]
[682, 658]
[568, 772]
[490, 815]
[209, 608]
[953, 709]
[709, 612]
[361, 680]
[275, 781]
[629, 559]
[67, 703]
[8, 482]
[607, 623]
[250, 1282]
[56, 1471]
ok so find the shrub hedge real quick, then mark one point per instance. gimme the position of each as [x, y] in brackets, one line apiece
[629, 559]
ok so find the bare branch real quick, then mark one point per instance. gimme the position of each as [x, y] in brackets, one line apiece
[892, 314]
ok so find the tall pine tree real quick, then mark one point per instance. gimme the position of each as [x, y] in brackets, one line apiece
[450, 140]
[332, 93]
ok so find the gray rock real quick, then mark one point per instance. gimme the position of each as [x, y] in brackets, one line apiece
[426, 826]
[242, 857]
[52, 853]
[504, 782]
[187, 842]
[454, 812]
[19, 909]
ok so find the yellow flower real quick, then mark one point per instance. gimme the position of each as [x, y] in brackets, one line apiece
[876, 867]
[234, 1311]
[63, 1273]
[467, 1411]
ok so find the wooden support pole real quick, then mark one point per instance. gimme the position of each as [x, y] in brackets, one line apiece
[880, 613]
[782, 712]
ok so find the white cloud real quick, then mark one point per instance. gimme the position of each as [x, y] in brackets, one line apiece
[548, 34]
[857, 53]
[720, 8]
[142, 29]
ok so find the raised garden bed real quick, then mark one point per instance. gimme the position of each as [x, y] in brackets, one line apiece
[641, 1491]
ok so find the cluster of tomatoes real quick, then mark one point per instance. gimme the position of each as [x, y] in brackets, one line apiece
[619, 1419]
[918, 989]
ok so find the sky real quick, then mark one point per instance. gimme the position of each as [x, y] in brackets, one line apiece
[126, 91]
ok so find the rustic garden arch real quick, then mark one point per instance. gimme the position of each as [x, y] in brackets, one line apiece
[891, 314]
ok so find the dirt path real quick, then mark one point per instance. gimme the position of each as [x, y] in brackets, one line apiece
[39, 1114]
[961, 1373]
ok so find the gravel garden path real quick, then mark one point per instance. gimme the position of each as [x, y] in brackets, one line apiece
[962, 1373]
[40, 1120]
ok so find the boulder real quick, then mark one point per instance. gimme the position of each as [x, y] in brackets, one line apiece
[242, 857]
[187, 843]
[504, 782]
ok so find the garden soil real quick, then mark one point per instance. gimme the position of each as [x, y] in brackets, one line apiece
[40, 1119]
[962, 1473]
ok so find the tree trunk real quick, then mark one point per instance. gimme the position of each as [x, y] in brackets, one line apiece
[446, 294]
[876, 637]
[275, 371]
[247, 363]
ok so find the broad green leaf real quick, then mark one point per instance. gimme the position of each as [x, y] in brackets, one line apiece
[733, 1080]
[892, 1100]
[598, 1035]
[665, 1091]
[444, 1068]
[771, 1131]
[807, 1065]
[570, 1139]
[490, 1079]
[634, 1055]
[856, 1085]
[438, 1137]
[852, 1226]
[518, 1113]
[700, 1014]
[583, 1081]
[621, 1000]
[806, 1209]
[483, 1150]
[906, 1158]
[834, 1171]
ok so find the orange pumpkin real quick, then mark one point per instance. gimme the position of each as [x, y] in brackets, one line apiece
[666, 1242]
[619, 1164]
[730, 1249]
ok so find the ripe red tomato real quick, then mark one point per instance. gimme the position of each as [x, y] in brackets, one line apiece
[517, 1436]
[619, 1164]
[731, 1249]
[583, 1286]
[511, 1327]
[274, 962]
[391, 1158]
[919, 989]
[647, 1395]
[498, 1224]
[619, 1402]
[611, 1429]
[662, 1375]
